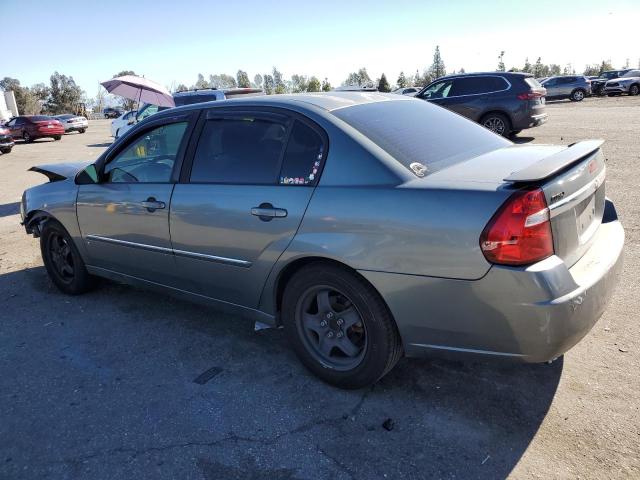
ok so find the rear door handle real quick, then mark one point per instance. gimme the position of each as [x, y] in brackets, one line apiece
[267, 212]
[151, 204]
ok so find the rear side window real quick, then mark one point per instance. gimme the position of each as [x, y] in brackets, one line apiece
[40, 118]
[412, 131]
[532, 82]
[477, 85]
[302, 157]
[239, 150]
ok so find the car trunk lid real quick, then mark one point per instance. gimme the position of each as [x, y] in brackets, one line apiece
[572, 179]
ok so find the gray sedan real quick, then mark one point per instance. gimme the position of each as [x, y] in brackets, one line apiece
[370, 226]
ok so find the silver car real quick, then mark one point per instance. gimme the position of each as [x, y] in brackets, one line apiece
[73, 123]
[628, 83]
[573, 87]
[370, 226]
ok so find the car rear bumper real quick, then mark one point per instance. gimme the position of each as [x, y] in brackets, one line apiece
[75, 128]
[531, 121]
[532, 314]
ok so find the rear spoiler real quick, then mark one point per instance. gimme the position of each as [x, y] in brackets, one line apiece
[549, 166]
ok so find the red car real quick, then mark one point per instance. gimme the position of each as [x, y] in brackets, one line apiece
[32, 127]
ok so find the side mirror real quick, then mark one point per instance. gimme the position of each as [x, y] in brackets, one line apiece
[88, 176]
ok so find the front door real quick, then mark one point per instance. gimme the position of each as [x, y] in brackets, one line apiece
[124, 219]
[250, 181]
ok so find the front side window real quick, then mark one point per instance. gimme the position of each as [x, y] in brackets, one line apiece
[149, 159]
[147, 112]
[438, 90]
[242, 150]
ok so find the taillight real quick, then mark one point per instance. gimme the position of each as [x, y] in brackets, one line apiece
[520, 231]
[529, 95]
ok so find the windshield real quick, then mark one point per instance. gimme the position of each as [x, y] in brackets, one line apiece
[146, 111]
[39, 118]
[417, 131]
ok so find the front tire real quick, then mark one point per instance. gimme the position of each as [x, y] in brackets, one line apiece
[339, 326]
[27, 138]
[6, 150]
[57, 137]
[82, 130]
[577, 95]
[497, 123]
[63, 261]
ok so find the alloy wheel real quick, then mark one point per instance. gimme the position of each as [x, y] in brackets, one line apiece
[331, 328]
[61, 257]
[495, 124]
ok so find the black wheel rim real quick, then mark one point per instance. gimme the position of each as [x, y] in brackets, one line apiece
[61, 257]
[495, 124]
[331, 328]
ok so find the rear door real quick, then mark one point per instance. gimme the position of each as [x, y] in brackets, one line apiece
[124, 219]
[241, 199]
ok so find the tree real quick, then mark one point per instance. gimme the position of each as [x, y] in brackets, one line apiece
[269, 84]
[313, 85]
[326, 86]
[221, 81]
[182, 88]
[24, 98]
[527, 66]
[299, 83]
[64, 94]
[591, 70]
[554, 69]
[257, 80]
[243, 79]
[402, 80]
[437, 68]
[279, 86]
[605, 66]
[201, 82]
[383, 84]
[538, 69]
[360, 78]
[462, 70]
[501, 67]
[99, 100]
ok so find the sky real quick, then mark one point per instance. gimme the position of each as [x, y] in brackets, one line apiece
[171, 42]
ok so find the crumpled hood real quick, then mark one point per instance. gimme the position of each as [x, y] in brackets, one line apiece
[60, 171]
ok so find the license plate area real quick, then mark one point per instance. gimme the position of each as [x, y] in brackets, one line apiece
[586, 220]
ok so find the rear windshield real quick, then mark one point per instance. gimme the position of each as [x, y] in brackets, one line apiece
[532, 82]
[65, 116]
[417, 131]
[39, 118]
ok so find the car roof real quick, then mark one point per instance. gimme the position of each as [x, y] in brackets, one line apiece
[486, 74]
[328, 101]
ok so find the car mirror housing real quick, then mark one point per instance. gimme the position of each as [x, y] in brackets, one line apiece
[87, 176]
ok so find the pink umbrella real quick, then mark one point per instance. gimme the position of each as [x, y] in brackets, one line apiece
[139, 89]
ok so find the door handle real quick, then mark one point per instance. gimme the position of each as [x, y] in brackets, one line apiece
[151, 204]
[267, 212]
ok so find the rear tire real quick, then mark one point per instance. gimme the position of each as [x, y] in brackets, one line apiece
[57, 137]
[63, 261]
[634, 90]
[350, 352]
[27, 138]
[578, 95]
[497, 123]
[82, 130]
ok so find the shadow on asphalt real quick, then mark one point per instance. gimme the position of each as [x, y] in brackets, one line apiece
[9, 209]
[126, 383]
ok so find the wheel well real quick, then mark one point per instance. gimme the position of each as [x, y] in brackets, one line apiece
[33, 221]
[500, 112]
[288, 272]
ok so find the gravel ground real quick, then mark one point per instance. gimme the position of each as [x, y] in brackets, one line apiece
[104, 385]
